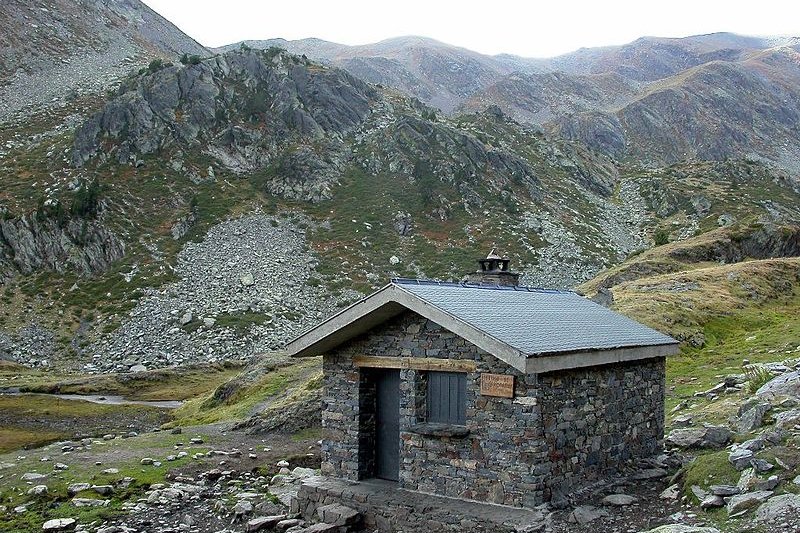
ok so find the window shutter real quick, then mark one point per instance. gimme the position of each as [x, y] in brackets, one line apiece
[447, 397]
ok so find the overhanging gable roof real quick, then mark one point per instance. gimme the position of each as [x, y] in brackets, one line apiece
[515, 324]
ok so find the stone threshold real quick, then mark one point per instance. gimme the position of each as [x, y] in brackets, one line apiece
[389, 509]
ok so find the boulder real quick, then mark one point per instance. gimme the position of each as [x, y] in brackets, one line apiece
[749, 481]
[338, 515]
[38, 490]
[744, 502]
[89, 502]
[703, 437]
[586, 513]
[761, 465]
[284, 525]
[75, 488]
[186, 318]
[712, 501]
[60, 524]
[302, 473]
[778, 508]
[740, 458]
[787, 419]
[672, 492]
[618, 499]
[751, 416]
[783, 385]
[753, 445]
[32, 476]
[724, 490]
[104, 490]
[264, 522]
[243, 507]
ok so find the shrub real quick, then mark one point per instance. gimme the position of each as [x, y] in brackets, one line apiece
[661, 237]
[86, 200]
[255, 105]
[155, 65]
[756, 376]
[193, 59]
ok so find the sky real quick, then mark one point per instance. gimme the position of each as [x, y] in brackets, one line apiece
[530, 28]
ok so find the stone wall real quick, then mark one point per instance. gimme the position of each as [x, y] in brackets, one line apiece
[384, 508]
[560, 431]
[597, 419]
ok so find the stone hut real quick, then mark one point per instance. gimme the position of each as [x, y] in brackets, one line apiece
[485, 390]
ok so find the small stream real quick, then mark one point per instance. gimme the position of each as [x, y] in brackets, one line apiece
[98, 398]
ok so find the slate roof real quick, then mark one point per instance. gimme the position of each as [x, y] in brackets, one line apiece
[518, 325]
[535, 321]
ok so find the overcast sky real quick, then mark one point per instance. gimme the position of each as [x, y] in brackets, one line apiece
[524, 27]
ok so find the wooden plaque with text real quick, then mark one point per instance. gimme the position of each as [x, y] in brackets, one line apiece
[500, 385]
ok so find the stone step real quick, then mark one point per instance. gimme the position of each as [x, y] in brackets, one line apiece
[320, 528]
[338, 515]
[264, 522]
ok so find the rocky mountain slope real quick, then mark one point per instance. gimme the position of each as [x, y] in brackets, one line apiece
[58, 49]
[654, 100]
[379, 184]
[715, 111]
[439, 74]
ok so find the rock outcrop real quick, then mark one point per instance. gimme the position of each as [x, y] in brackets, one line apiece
[54, 51]
[34, 242]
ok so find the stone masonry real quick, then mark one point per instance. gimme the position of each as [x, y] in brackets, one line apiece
[384, 508]
[561, 431]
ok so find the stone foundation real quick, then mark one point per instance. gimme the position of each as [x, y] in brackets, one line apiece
[391, 510]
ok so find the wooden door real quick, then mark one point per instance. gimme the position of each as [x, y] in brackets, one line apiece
[387, 420]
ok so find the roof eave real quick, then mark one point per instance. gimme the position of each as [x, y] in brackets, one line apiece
[384, 304]
[582, 359]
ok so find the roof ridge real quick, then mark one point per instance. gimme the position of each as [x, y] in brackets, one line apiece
[488, 286]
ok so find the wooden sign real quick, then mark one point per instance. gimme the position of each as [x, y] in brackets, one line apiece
[499, 385]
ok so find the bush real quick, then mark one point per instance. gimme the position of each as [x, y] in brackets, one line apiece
[756, 376]
[255, 105]
[661, 237]
[86, 200]
[155, 65]
[187, 59]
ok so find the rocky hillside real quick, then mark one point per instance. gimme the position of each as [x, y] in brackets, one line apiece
[243, 149]
[58, 49]
[752, 111]
[654, 100]
[439, 74]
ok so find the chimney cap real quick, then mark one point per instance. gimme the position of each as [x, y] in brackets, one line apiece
[493, 255]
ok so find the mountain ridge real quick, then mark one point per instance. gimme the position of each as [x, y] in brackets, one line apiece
[59, 48]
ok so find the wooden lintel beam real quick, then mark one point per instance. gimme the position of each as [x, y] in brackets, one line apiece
[414, 363]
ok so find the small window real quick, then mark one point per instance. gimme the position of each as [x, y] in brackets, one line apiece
[447, 398]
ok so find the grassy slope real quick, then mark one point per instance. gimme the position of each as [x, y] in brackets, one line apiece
[163, 384]
[726, 314]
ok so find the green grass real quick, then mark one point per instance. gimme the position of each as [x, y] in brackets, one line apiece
[15, 438]
[241, 322]
[308, 434]
[162, 384]
[243, 399]
[56, 503]
[30, 420]
[709, 469]
[760, 334]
